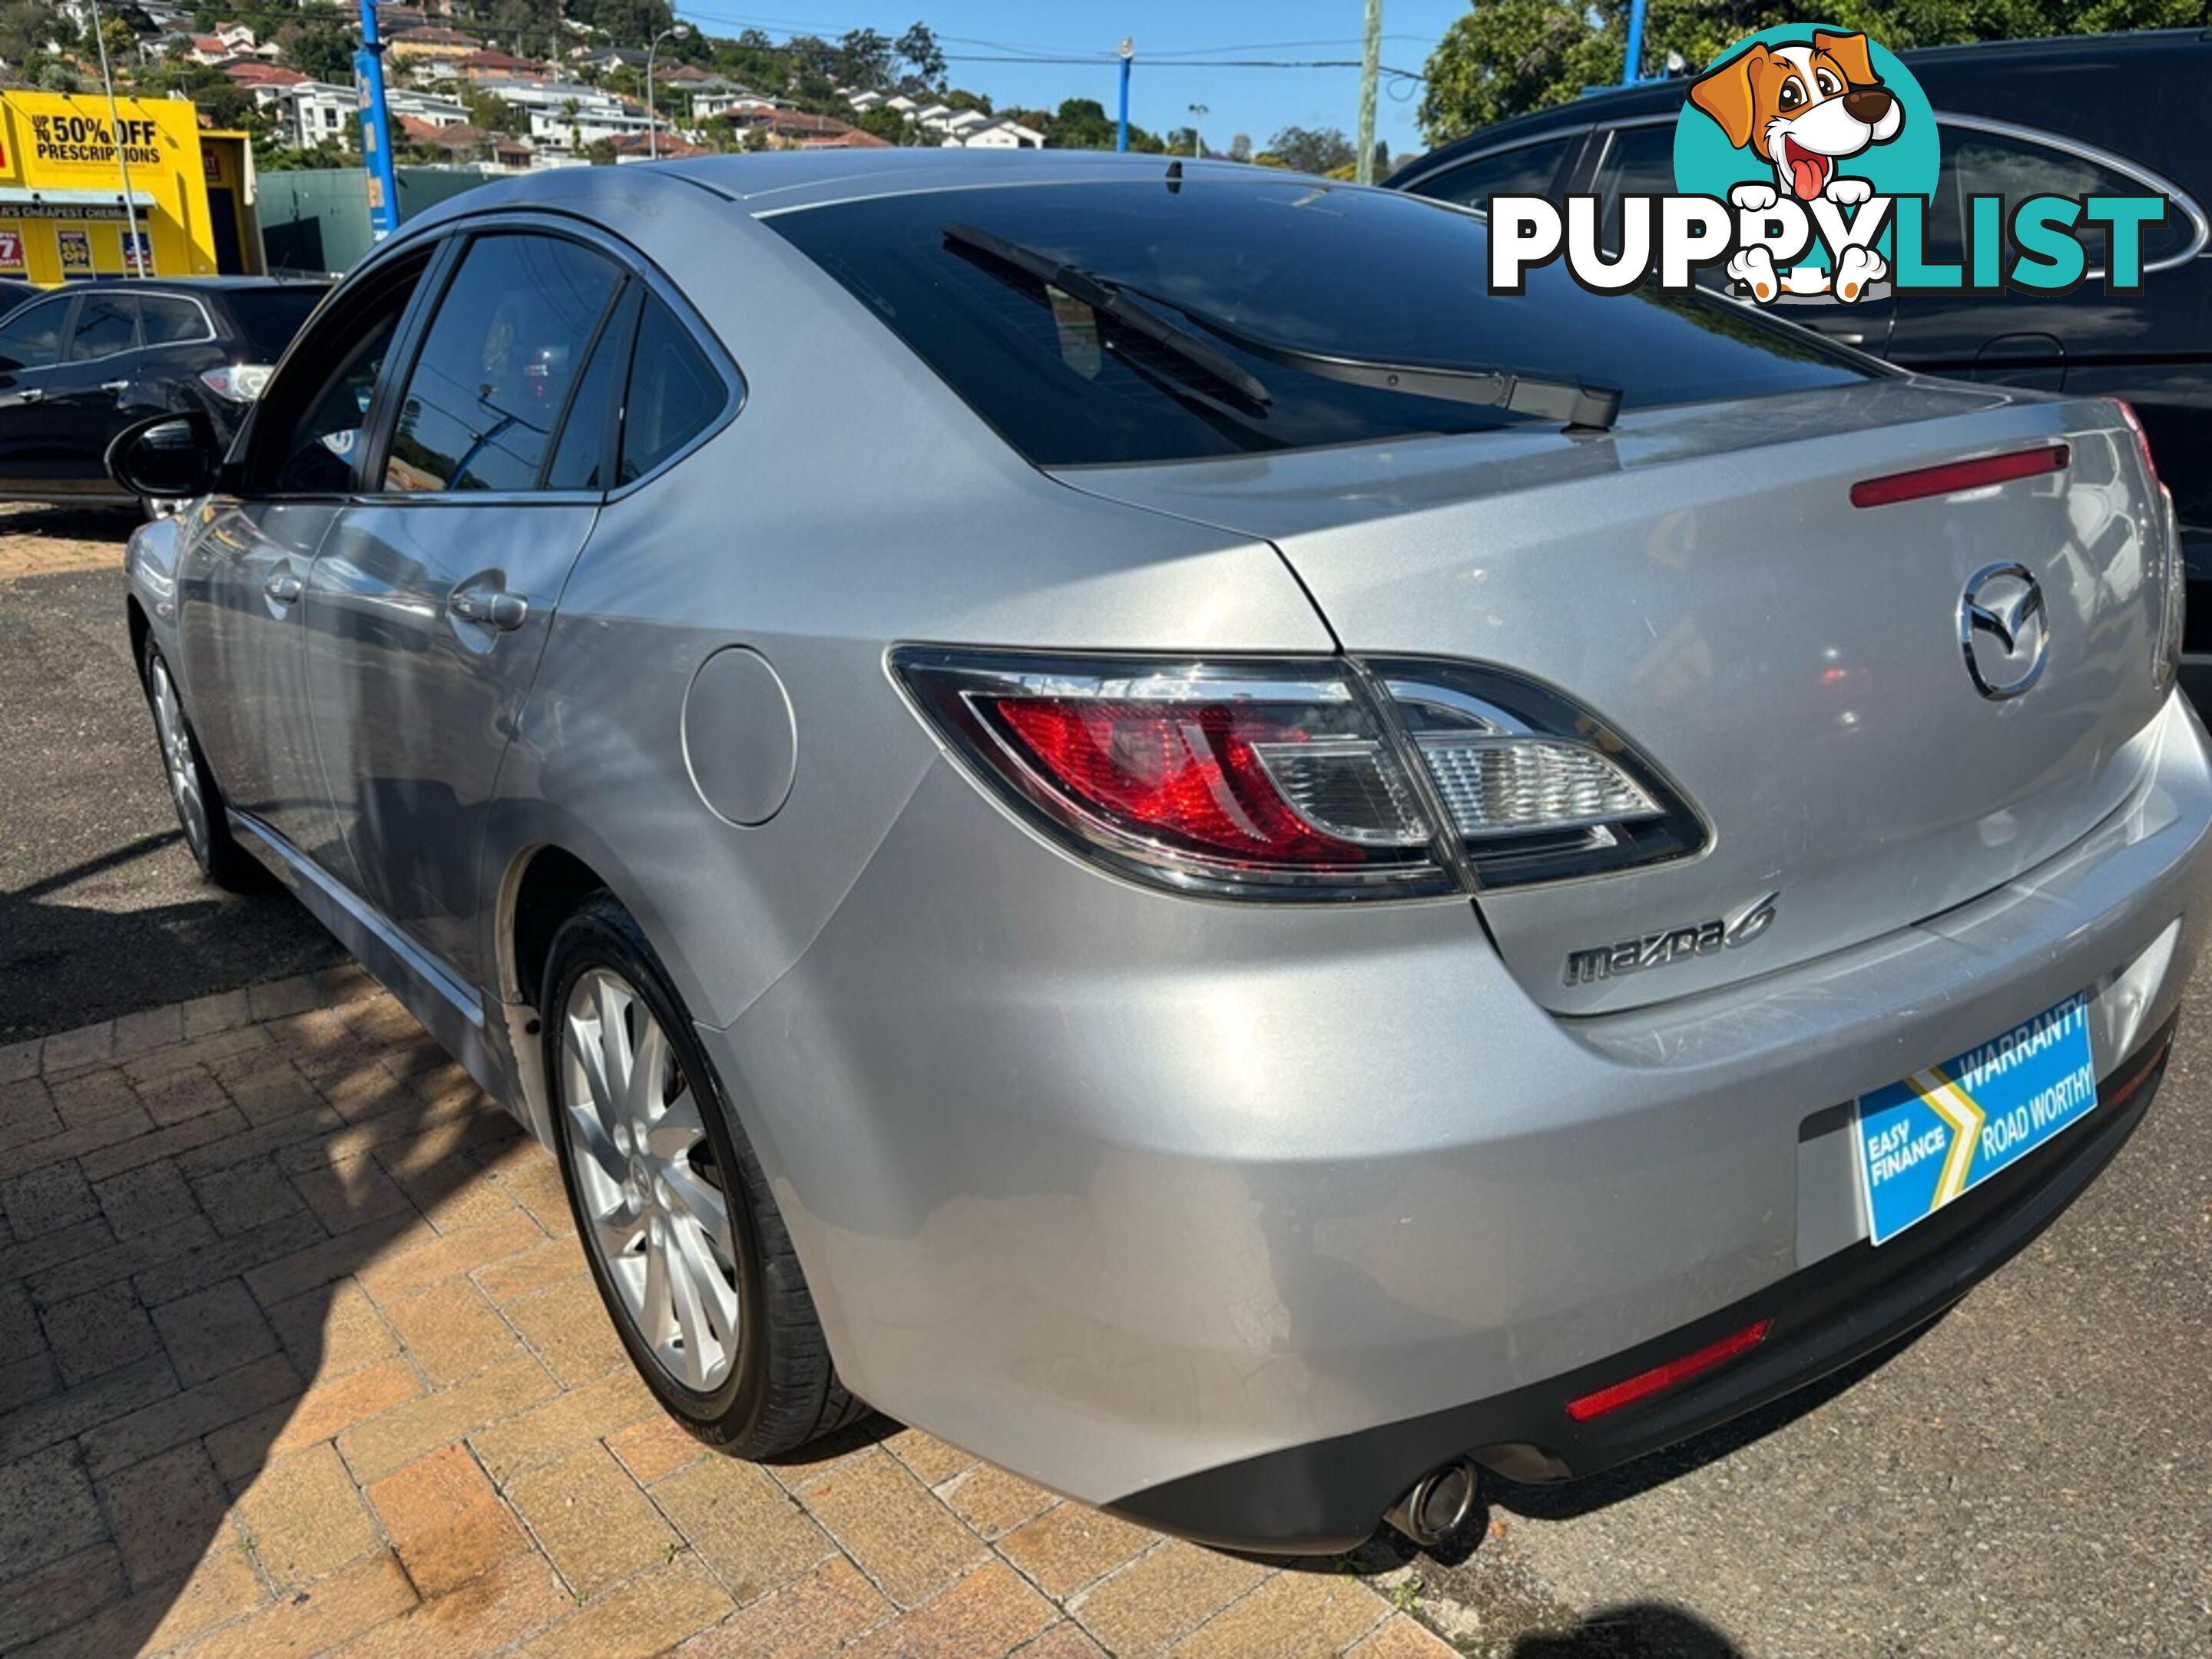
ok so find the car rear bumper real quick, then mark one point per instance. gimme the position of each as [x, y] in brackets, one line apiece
[1123, 1190]
[1325, 1497]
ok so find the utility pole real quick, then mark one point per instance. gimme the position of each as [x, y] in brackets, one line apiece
[1370, 67]
[133, 263]
[375, 128]
[1121, 129]
[1632, 68]
[1198, 114]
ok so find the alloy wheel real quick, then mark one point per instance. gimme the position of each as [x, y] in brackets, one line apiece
[178, 759]
[657, 1211]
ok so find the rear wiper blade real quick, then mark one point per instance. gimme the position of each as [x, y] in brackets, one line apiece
[1580, 406]
[1108, 298]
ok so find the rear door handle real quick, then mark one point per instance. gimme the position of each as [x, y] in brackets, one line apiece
[493, 607]
[282, 585]
[31, 394]
[118, 387]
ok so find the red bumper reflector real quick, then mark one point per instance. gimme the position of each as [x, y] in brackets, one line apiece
[1645, 1384]
[1955, 476]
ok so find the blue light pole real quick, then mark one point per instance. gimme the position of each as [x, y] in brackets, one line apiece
[1632, 71]
[375, 129]
[1121, 131]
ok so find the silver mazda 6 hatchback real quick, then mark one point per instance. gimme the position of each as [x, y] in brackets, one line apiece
[1097, 802]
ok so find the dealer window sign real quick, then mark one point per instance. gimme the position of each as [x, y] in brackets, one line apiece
[1805, 162]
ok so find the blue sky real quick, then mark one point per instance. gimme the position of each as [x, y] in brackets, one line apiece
[1258, 102]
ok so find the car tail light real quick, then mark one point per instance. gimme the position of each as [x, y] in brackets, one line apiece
[1271, 777]
[1534, 788]
[238, 383]
[1299, 778]
[1659, 1378]
[2173, 612]
[1953, 477]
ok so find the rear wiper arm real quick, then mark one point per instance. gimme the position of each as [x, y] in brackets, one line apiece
[1580, 406]
[1132, 310]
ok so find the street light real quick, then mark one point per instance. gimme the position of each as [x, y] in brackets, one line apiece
[674, 31]
[1198, 113]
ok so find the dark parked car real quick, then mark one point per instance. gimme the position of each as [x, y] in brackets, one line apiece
[2116, 114]
[79, 365]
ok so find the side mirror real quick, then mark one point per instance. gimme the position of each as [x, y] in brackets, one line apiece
[170, 456]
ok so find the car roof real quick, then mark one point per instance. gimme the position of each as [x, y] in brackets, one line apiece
[1663, 97]
[772, 183]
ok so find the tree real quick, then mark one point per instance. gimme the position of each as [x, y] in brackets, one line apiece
[321, 51]
[923, 59]
[1312, 150]
[26, 28]
[1240, 147]
[1507, 58]
[121, 47]
[864, 61]
[632, 22]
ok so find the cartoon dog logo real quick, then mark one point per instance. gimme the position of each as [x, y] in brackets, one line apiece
[1803, 109]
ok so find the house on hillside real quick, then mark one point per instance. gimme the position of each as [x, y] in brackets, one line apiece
[727, 97]
[610, 58]
[795, 129]
[994, 134]
[425, 106]
[309, 112]
[567, 117]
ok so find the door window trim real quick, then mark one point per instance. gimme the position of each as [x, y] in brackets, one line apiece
[2154, 183]
[206, 321]
[1571, 159]
[460, 233]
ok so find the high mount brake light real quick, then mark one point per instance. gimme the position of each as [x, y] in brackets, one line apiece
[1952, 476]
[1293, 778]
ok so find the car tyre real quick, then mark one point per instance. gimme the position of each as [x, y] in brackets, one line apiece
[201, 813]
[723, 1329]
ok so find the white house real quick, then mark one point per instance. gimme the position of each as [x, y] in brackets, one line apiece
[567, 116]
[1001, 134]
[425, 107]
[864, 101]
[933, 117]
[311, 112]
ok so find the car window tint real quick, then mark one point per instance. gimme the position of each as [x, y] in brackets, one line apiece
[1638, 162]
[674, 393]
[1978, 163]
[164, 319]
[270, 316]
[1527, 170]
[581, 454]
[496, 366]
[318, 451]
[105, 324]
[1335, 270]
[33, 338]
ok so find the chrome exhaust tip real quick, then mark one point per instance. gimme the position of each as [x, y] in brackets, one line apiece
[1436, 1505]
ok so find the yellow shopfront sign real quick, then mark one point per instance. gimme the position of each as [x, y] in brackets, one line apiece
[62, 207]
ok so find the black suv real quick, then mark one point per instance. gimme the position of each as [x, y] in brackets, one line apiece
[2116, 114]
[80, 364]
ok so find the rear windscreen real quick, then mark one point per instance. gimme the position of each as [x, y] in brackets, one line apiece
[1358, 273]
[270, 316]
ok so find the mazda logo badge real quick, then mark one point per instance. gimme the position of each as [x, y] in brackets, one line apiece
[2004, 630]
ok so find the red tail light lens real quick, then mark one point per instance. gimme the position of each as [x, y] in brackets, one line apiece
[1273, 778]
[1955, 476]
[1645, 1384]
[1198, 775]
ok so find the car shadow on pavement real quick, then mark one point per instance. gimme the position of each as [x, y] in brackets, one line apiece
[288, 1231]
[1641, 1630]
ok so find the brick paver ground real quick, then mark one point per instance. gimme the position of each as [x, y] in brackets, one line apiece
[299, 1354]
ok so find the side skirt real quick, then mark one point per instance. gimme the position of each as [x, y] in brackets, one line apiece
[449, 1010]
